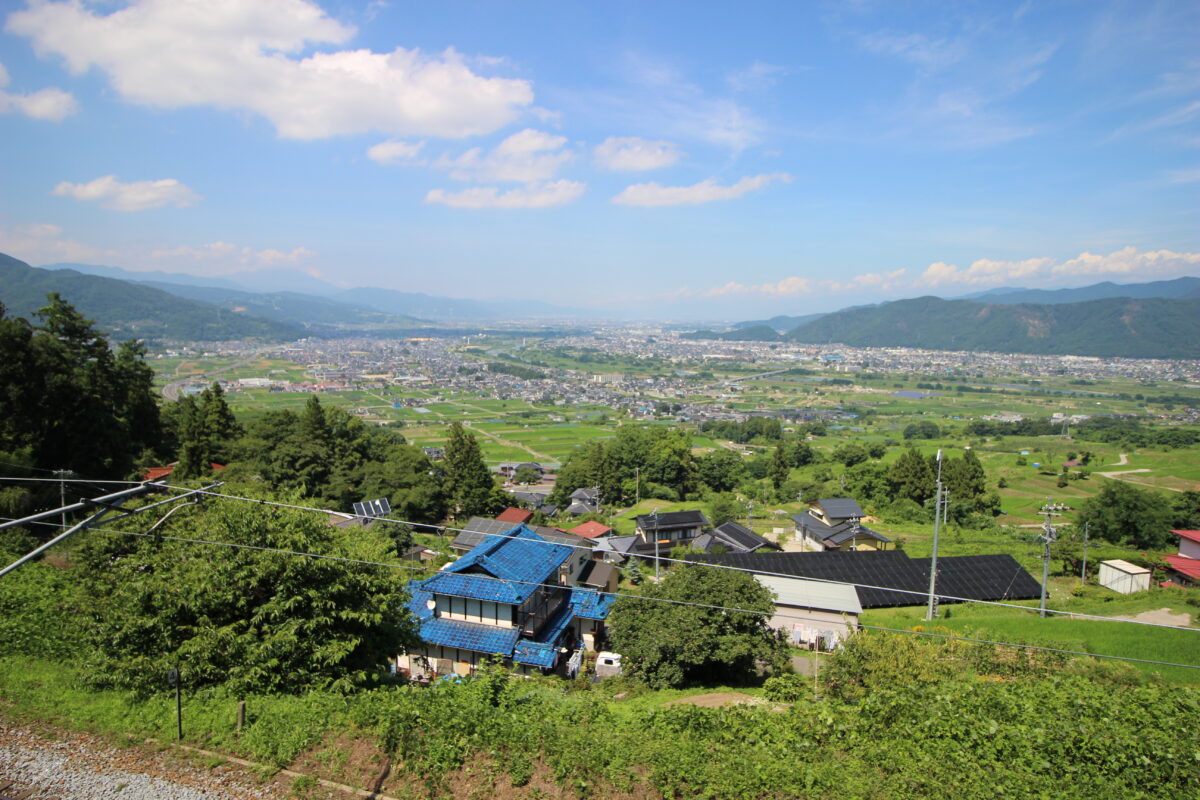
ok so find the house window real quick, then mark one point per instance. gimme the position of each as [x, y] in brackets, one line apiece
[474, 611]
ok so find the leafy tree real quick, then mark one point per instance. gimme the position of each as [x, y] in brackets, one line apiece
[1123, 513]
[925, 429]
[720, 470]
[251, 621]
[672, 645]
[725, 507]
[802, 453]
[470, 489]
[850, 453]
[1186, 511]
[408, 479]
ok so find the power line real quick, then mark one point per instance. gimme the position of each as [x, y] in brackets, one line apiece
[510, 581]
[691, 563]
[371, 518]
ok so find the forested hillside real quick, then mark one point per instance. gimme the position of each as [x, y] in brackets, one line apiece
[1147, 328]
[131, 310]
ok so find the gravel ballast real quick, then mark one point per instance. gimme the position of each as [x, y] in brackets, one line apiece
[80, 766]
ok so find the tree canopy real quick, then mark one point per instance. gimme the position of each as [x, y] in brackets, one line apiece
[1124, 514]
[252, 621]
[669, 644]
[69, 400]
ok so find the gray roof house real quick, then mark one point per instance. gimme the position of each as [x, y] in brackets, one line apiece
[834, 523]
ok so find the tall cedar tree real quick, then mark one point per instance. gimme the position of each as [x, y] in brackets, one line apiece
[911, 477]
[68, 401]
[469, 485]
[779, 468]
[209, 430]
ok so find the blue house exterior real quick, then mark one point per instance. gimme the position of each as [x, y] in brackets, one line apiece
[513, 596]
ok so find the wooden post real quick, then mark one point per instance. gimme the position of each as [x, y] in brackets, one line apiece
[241, 715]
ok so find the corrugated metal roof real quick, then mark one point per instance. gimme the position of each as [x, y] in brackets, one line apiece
[812, 594]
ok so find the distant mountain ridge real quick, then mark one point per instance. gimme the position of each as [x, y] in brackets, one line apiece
[1110, 327]
[1142, 320]
[1177, 289]
[413, 308]
[131, 310]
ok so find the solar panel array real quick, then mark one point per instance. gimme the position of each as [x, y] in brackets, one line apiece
[373, 508]
[994, 577]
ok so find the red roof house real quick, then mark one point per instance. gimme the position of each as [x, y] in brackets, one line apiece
[591, 530]
[515, 515]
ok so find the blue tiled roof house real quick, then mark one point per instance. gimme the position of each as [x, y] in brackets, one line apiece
[513, 596]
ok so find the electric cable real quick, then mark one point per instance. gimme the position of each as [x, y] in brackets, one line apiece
[643, 598]
[666, 559]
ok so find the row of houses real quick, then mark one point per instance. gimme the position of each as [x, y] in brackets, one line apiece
[538, 597]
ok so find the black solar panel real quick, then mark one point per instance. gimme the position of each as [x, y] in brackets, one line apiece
[995, 577]
[373, 508]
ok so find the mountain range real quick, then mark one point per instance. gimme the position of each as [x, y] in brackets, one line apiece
[131, 310]
[1157, 319]
[1151, 320]
[415, 306]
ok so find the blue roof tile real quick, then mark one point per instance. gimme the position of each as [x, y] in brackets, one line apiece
[591, 604]
[470, 636]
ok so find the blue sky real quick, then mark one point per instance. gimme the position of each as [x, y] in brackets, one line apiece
[679, 158]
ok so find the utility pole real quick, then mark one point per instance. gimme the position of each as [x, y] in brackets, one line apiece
[1049, 536]
[62, 475]
[931, 610]
[654, 517]
[637, 486]
[1083, 569]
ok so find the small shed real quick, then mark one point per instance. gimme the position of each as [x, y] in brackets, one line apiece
[1123, 577]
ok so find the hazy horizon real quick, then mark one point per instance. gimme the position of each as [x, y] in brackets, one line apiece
[719, 162]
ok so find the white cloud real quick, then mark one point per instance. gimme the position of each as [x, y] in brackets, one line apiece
[534, 195]
[524, 157]
[238, 256]
[43, 243]
[245, 54]
[394, 151]
[756, 77]
[915, 48]
[634, 153]
[136, 196]
[795, 286]
[51, 105]
[1184, 175]
[1127, 262]
[707, 191]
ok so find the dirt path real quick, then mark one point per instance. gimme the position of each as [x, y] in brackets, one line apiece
[1122, 461]
[542, 458]
[1161, 616]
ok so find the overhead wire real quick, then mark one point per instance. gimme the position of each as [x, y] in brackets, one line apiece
[638, 597]
[665, 559]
